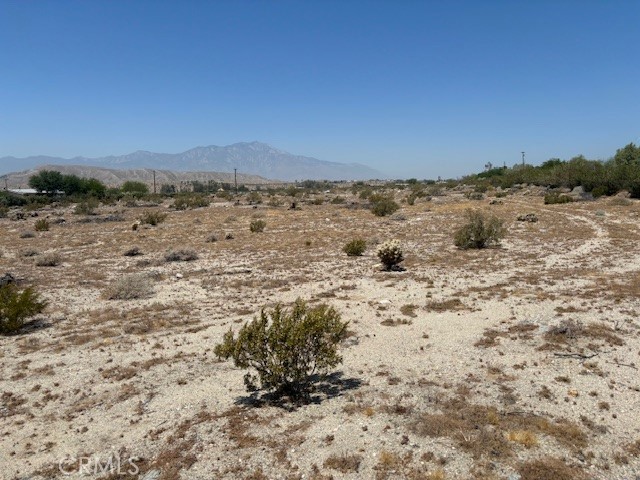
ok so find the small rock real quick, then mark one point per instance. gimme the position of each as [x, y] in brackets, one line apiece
[179, 276]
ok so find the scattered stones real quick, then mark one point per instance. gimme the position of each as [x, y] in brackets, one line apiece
[6, 279]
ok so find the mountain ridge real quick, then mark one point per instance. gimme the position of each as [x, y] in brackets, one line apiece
[252, 158]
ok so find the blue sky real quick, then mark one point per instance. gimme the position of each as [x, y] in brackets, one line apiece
[413, 88]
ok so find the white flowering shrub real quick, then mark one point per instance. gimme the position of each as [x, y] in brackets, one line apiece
[390, 254]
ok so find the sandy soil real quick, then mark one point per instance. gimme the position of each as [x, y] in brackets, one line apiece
[456, 367]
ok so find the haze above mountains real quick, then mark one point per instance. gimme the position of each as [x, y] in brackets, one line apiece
[253, 158]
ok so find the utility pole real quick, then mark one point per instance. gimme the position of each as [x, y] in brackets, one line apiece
[523, 159]
[154, 182]
[235, 179]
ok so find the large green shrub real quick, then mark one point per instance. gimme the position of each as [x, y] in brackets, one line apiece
[16, 306]
[287, 348]
[480, 231]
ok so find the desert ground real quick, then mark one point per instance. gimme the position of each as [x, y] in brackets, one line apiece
[513, 362]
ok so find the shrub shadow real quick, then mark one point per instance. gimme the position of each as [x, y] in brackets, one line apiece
[323, 388]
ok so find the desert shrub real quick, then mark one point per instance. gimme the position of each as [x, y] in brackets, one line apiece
[184, 202]
[133, 252]
[411, 198]
[27, 234]
[620, 202]
[390, 254]
[4, 211]
[479, 231]
[599, 191]
[338, 200]
[42, 225]
[228, 236]
[86, 208]
[16, 306]
[49, 260]
[257, 226]
[29, 252]
[475, 196]
[181, 256]
[254, 198]
[382, 205]
[274, 201]
[153, 218]
[212, 238]
[130, 287]
[355, 247]
[554, 197]
[287, 348]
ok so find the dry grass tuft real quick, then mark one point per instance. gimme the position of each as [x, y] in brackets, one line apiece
[549, 469]
[523, 437]
[344, 463]
[130, 287]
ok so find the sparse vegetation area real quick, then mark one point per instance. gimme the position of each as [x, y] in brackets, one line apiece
[544, 331]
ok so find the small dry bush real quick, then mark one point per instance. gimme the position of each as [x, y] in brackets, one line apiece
[257, 226]
[49, 260]
[133, 252]
[181, 256]
[27, 234]
[390, 254]
[344, 463]
[42, 225]
[355, 247]
[620, 202]
[556, 198]
[480, 231]
[87, 208]
[16, 306]
[153, 218]
[130, 287]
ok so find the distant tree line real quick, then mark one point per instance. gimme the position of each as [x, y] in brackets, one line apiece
[621, 172]
[52, 182]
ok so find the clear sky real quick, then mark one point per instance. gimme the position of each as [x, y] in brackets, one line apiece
[413, 88]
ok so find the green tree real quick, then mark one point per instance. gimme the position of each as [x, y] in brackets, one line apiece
[47, 181]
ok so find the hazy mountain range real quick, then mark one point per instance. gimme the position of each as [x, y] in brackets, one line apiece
[113, 177]
[253, 158]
